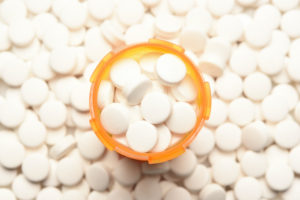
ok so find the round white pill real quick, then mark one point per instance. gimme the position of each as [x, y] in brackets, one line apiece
[7, 176]
[123, 71]
[241, 111]
[293, 191]
[203, 143]
[268, 15]
[97, 177]
[182, 119]
[34, 91]
[105, 94]
[180, 8]
[90, 146]
[255, 136]
[12, 153]
[141, 136]
[56, 36]
[193, 39]
[257, 86]
[155, 107]
[24, 189]
[198, 179]
[270, 61]
[35, 167]
[147, 189]
[257, 34]
[69, 171]
[100, 9]
[248, 188]
[185, 90]
[293, 159]
[7, 194]
[21, 32]
[115, 114]
[164, 138]
[218, 8]
[63, 59]
[130, 12]
[53, 113]
[184, 164]
[228, 137]
[167, 25]
[74, 15]
[148, 63]
[170, 69]
[199, 17]
[12, 113]
[218, 114]
[49, 193]
[293, 69]
[62, 147]
[229, 27]
[294, 48]
[279, 176]
[286, 133]
[12, 10]
[274, 108]
[212, 192]
[127, 172]
[225, 171]
[79, 96]
[281, 41]
[177, 193]
[254, 164]
[288, 23]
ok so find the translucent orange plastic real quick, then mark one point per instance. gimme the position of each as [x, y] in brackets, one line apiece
[203, 100]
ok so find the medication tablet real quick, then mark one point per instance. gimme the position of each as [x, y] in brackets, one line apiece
[138, 33]
[268, 15]
[255, 136]
[32, 133]
[185, 90]
[281, 41]
[63, 59]
[184, 164]
[136, 89]
[97, 177]
[113, 114]
[155, 107]
[285, 5]
[69, 171]
[53, 113]
[24, 189]
[21, 32]
[241, 111]
[293, 191]
[130, 12]
[198, 179]
[79, 96]
[220, 8]
[170, 63]
[248, 188]
[90, 146]
[148, 63]
[105, 94]
[243, 60]
[229, 27]
[12, 113]
[35, 167]
[286, 133]
[119, 194]
[123, 71]
[274, 108]
[7, 194]
[12, 10]
[225, 171]
[49, 193]
[62, 147]
[167, 25]
[100, 10]
[199, 17]
[182, 119]
[254, 164]
[279, 176]
[294, 48]
[212, 192]
[177, 193]
[229, 86]
[193, 39]
[147, 189]
[12, 153]
[37, 7]
[34, 91]
[270, 61]
[257, 86]
[228, 137]
[164, 138]
[292, 69]
[180, 8]
[56, 36]
[51, 180]
[203, 143]
[141, 136]
[257, 34]
[5, 43]
[127, 172]
[218, 113]
[74, 15]
[293, 159]
[7, 176]
[40, 66]
[288, 23]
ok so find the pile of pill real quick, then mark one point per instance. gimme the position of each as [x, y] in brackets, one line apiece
[248, 51]
[143, 115]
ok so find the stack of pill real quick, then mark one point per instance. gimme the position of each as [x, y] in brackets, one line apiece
[248, 51]
[148, 115]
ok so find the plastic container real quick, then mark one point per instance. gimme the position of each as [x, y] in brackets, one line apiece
[203, 100]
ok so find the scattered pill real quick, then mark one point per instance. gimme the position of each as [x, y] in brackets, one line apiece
[279, 177]
[163, 138]
[274, 108]
[53, 113]
[127, 172]
[241, 111]
[225, 171]
[97, 177]
[212, 191]
[35, 167]
[49, 193]
[228, 137]
[286, 133]
[89, 146]
[185, 90]
[248, 188]
[24, 189]
[198, 179]
[254, 164]
[147, 189]
[185, 164]
[254, 136]
[69, 171]
[105, 94]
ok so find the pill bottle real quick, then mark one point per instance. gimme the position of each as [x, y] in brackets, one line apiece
[203, 99]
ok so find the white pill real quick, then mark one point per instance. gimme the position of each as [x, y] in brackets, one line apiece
[203, 143]
[166, 25]
[184, 164]
[257, 86]
[113, 114]
[255, 136]
[229, 86]
[74, 15]
[55, 135]
[180, 8]
[53, 113]
[182, 119]
[286, 134]
[147, 189]
[148, 63]
[177, 193]
[97, 177]
[269, 15]
[270, 61]
[293, 159]
[37, 7]
[5, 43]
[279, 176]
[41, 67]
[90, 146]
[35, 167]
[34, 91]
[276, 154]
[225, 171]
[254, 164]
[51, 180]
[79, 96]
[288, 23]
[7, 176]
[243, 60]
[12, 113]
[193, 39]
[119, 193]
[42, 22]
[220, 8]
[257, 34]
[292, 69]
[130, 12]
[228, 137]
[170, 63]
[32, 133]
[281, 41]
[229, 27]
[49, 193]
[69, 171]
[293, 191]
[164, 138]
[185, 90]
[7, 194]
[12, 153]
[127, 172]
[241, 111]
[21, 32]
[135, 90]
[125, 66]
[100, 9]
[63, 59]
[62, 147]
[138, 33]
[56, 36]
[105, 94]
[218, 113]
[198, 179]
[294, 48]
[212, 192]
[141, 136]
[199, 17]
[12, 10]
[285, 5]
[274, 108]
[24, 189]
[211, 64]
[248, 188]
[112, 31]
